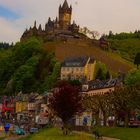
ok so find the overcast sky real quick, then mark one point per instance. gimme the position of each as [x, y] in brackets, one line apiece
[99, 15]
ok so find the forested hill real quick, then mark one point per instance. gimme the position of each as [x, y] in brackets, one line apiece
[28, 68]
[5, 45]
[127, 45]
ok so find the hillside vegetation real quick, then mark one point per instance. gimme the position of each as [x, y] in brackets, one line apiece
[126, 48]
[127, 45]
[28, 68]
[85, 47]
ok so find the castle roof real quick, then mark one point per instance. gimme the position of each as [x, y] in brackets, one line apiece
[65, 5]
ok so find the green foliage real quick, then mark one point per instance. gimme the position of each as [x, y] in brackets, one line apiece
[75, 82]
[123, 35]
[101, 71]
[56, 134]
[121, 133]
[23, 51]
[24, 76]
[126, 48]
[4, 45]
[51, 79]
[133, 78]
[125, 44]
[137, 59]
[107, 75]
[26, 67]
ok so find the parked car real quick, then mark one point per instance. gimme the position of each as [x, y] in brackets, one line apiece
[33, 130]
[19, 131]
[134, 123]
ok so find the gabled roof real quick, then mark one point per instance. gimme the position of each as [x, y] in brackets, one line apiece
[75, 61]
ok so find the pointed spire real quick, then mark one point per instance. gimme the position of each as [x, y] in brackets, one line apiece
[56, 20]
[40, 28]
[65, 5]
[35, 23]
[60, 6]
[49, 19]
[26, 30]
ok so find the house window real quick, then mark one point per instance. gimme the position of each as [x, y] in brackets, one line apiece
[63, 69]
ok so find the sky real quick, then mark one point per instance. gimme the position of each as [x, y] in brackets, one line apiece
[97, 15]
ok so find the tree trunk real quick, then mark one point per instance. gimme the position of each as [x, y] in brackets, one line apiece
[116, 118]
[105, 118]
[97, 118]
[126, 118]
[65, 128]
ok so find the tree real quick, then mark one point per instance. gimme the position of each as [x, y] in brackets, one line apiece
[51, 79]
[89, 33]
[94, 34]
[124, 100]
[137, 59]
[99, 74]
[27, 67]
[101, 71]
[133, 78]
[65, 101]
[107, 75]
[98, 104]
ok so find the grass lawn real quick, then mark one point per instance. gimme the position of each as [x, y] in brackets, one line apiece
[56, 134]
[121, 133]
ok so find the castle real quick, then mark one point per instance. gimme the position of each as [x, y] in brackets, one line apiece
[61, 27]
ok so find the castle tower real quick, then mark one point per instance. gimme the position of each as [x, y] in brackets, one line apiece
[65, 15]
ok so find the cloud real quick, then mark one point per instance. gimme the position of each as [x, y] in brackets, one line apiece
[8, 31]
[100, 15]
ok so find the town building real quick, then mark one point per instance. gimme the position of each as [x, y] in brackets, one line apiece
[59, 28]
[78, 68]
[100, 87]
[84, 118]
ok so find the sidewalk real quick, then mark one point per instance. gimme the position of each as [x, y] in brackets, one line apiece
[103, 138]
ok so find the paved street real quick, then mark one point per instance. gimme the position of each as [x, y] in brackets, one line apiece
[103, 138]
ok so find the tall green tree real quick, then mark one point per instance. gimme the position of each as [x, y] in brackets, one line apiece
[137, 59]
[133, 78]
[101, 71]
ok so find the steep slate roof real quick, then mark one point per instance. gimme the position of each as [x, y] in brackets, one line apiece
[99, 84]
[75, 61]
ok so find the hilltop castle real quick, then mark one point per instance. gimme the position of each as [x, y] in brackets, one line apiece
[59, 28]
